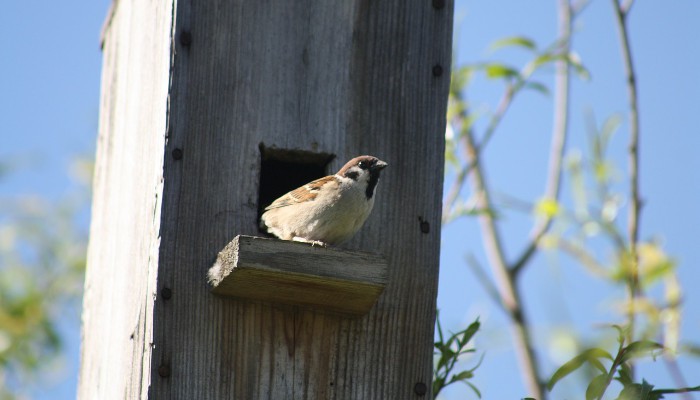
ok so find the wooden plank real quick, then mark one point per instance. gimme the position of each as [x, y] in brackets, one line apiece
[278, 271]
[127, 191]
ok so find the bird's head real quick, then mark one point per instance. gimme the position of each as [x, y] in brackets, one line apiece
[364, 169]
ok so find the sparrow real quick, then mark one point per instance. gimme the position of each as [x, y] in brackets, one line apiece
[329, 210]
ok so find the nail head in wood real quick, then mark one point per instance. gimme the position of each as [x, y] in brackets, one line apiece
[424, 225]
[164, 371]
[327, 278]
[439, 4]
[166, 293]
[177, 154]
[185, 38]
[420, 389]
[437, 70]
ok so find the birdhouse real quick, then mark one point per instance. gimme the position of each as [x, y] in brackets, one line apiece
[208, 111]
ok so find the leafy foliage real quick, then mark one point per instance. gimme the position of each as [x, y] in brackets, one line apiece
[42, 261]
[448, 351]
[620, 365]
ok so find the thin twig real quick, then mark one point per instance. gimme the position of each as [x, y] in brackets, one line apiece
[463, 173]
[626, 7]
[681, 390]
[510, 298]
[486, 282]
[582, 256]
[512, 88]
[503, 105]
[492, 237]
[633, 149]
[677, 375]
[559, 135]
[613, 368]
[578, 6]
[453, 193]
[633, 153]
[514, 203]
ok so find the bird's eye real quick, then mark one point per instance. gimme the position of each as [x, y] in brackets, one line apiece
[362, 164]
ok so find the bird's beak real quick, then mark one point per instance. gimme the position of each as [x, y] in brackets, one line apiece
[380, 165]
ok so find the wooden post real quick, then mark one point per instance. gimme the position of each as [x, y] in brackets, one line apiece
[192, 91]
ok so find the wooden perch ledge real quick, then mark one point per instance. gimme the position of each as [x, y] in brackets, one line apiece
[332, 279]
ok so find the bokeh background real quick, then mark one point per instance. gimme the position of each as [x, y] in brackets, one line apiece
[50, 64]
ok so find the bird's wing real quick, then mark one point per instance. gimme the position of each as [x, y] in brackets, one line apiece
[301, 194]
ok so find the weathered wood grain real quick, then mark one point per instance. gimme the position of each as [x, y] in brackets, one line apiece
[278, 271]
[344, 78]
[124, 233]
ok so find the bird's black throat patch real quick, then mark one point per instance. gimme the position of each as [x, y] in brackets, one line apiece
[372, 183]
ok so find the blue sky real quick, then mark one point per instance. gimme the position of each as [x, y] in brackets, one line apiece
[557, 293]
[49, 100]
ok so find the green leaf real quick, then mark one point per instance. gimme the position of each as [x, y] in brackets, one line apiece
[608, 129]
[621, 332]
[451, 155]
[438, 385]
[624, 375]
[518, 41]
[575, 363]
[449, 351]
[598, 365]
[575, 61]
[639, 391]
[439, 327]
[602, 170]
[471, 385]
[471, 330]
[597, 387]
[572, 59]
[445, 358]
[638, 349]
[537, 86]
[461, 78]
[467, 351]
[545, 58]
[654, 264]
[496, 71]
[481, 359]
[462, 376]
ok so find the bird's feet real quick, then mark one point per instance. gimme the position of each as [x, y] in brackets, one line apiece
[312, 242]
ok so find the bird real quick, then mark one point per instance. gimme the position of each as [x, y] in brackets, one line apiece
[329, 210]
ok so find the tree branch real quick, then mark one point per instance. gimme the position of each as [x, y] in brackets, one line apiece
[582, 256]
[463, 173]
[559, 134]
[453, 193]
[626, 7]
[633, 153]
[510, 298]
[677, 376]
[486, 282]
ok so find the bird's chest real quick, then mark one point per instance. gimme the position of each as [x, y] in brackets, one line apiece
[345, 217]
[351, 204]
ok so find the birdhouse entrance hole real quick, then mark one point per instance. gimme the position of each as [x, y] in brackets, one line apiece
[282, 170]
